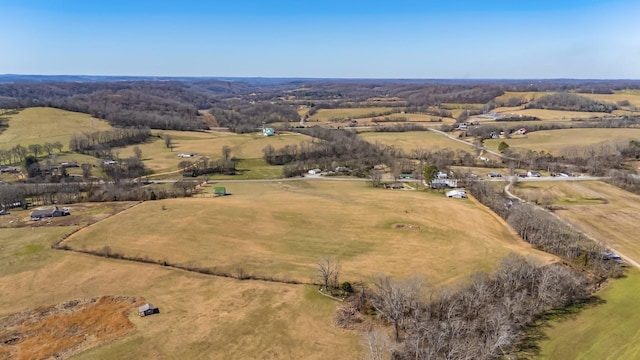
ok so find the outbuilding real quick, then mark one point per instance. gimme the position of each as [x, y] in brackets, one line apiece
[457, 194]
[147, 309]
[219, 191]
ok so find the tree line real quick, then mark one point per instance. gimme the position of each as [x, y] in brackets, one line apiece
[100, 143]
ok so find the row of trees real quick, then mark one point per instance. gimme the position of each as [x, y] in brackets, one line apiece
[18, 153]
[101, 143]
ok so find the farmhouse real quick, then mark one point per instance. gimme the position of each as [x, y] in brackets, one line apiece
[48, 212]
[219, 191]
[444, 183]
[147, 309]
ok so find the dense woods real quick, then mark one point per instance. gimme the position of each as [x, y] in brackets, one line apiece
[570, 102]
[242, 117]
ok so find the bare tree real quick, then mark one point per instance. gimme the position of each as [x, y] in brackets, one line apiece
[58, 146]
[226, 152]
[378, 345]
[394, 300]
[376, 177]
[137, 152]
[329, 272]
[168, 142]
[86, 170]
[48, 147]
[35, 149]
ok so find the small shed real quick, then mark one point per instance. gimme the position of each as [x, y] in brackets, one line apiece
[219, 191]
[147, 309]
[314, 172]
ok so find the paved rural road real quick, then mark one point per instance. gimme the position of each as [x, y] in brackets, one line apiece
[503, 156]
[572, 226]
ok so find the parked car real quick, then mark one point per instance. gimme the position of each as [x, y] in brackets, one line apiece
[522, 175]
[534, 174]
[494, 175]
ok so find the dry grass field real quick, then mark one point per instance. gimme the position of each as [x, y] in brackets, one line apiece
[201, 316]
[411, 140]
[549, 115]
[555, 141]
[284, 228]
[602, 210]
[40, 125]
[324, 115]
[159, 158]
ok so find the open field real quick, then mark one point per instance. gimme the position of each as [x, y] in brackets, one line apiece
[547, 115]
[159, 158]
[604, 331]
[555, 141]
[633, 96]
[411, 140]
[283, 229]
[526, 95]
[324, 115]
[604, 211]
[200, 316]
[40, 125]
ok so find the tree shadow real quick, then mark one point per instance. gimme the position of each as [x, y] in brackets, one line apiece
[529, 345]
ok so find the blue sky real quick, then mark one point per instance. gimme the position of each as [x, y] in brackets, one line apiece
[347, 39]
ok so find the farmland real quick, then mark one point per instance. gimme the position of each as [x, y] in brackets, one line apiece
[602, 210]
[607, 330]
[40, 125]
[158, 158]
[199, 314]
[412, 140]
[556, 141]
[325, 115]
[282, 231]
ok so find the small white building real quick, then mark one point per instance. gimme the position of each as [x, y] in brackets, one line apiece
[314, 172]
[457, 194]
[441, 175]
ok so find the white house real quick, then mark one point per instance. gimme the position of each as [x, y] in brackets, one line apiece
[314, 172]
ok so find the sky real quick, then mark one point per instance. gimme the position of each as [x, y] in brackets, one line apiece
[428, 39]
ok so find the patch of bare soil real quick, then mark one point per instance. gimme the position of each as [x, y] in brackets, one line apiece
[63, 330]
[407, 227]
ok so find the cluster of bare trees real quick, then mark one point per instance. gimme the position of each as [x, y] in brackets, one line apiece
[38, 194]
[100, 143]
[158, 105]
[333, 148]
[570, 102]
[482, 320]
[546, 232]
[18, 153]
[242, 117]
